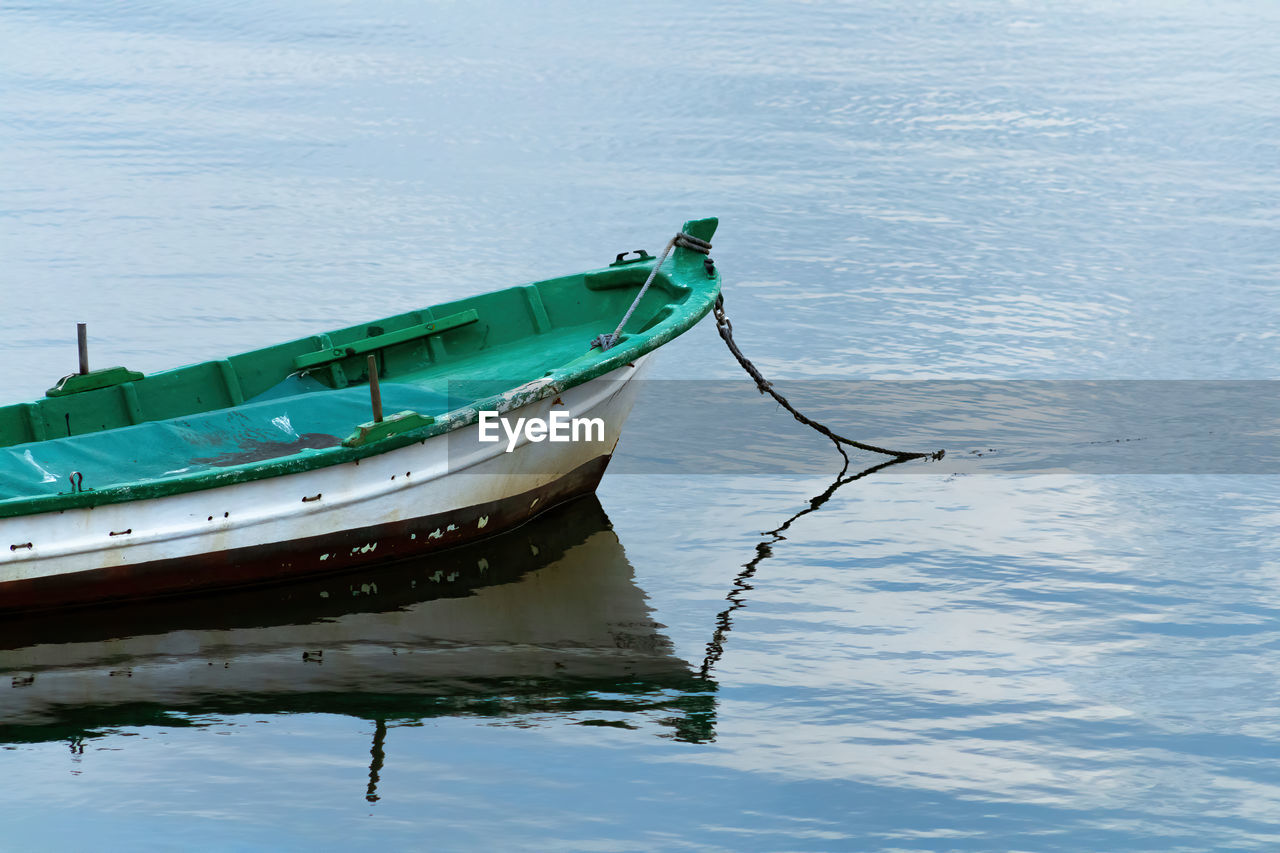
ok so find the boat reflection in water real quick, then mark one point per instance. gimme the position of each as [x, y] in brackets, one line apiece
[544, 619]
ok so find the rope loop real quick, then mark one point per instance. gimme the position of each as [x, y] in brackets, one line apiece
[688, 241]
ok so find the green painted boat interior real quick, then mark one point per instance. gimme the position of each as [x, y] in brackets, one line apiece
[290, 407]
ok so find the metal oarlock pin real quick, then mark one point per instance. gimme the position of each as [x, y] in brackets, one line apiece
[82, 341]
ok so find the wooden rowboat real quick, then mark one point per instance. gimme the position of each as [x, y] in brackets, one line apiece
[270, 464]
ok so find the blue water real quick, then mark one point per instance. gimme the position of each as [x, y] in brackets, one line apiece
[907, 190]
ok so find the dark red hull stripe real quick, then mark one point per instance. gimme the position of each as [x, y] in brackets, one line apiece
[346, 550]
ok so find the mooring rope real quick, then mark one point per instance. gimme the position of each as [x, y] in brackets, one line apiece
[766, 387]
[688, 241]
[683, 240]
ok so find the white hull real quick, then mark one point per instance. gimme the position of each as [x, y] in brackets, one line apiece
[165, 544]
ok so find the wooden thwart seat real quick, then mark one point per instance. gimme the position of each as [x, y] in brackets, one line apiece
[377, 342]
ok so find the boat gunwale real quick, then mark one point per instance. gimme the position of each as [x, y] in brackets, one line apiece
[702, 287]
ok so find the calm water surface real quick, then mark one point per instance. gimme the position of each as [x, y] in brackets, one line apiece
[926, 661]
